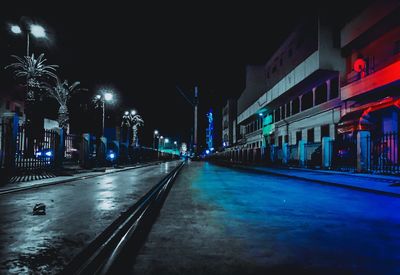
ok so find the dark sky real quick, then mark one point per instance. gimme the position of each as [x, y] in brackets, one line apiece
[145, 52]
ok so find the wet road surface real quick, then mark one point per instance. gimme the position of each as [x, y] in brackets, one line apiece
[76, 213]
[218, 220]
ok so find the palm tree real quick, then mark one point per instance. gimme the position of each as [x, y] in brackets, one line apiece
[137, 121]
[34, 70]
[62, 91]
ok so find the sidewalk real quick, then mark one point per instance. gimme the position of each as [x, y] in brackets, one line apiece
[13, 187]
[388, 185]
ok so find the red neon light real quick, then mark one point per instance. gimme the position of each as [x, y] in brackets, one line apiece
[380, 78]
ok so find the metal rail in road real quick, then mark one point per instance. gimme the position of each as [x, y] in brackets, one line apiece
[115, 249]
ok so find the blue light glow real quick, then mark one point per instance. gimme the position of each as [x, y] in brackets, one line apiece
[16, 29]
[49, 153]
[112, 156]
[207, 151]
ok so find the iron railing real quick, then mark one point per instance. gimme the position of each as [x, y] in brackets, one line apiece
[384, 153]
[36, 154]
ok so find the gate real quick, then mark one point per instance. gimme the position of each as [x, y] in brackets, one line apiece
[385, 153]
[313, 154]
[345, 153]
[41, 158]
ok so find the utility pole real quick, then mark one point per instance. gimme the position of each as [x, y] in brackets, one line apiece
[196, 102]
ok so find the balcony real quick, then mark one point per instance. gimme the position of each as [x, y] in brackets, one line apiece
[375, 79]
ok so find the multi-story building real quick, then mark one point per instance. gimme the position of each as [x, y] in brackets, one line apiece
[370, 88]
[11, 100]
[300, 98]
[250, 125]
[229, 123]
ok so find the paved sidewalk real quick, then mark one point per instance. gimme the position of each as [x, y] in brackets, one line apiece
[12, 187]
[388, 185]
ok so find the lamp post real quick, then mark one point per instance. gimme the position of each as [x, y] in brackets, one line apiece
[162, 142]
[176, 145]
[155, 135]
[101, 99]
[32, 29]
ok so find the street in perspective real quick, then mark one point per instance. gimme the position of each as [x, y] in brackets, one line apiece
[260, 141]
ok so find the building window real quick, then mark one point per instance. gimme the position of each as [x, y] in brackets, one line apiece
[280, 141]
[8, 105]
[321, 94]
[290, 53]
[307, 101]
[273, 69]
[298, 136]
[286, 138]
[284, 111]
[295, 106]
[310, 135]
[281, 61]
[325, 131]
[334, 88]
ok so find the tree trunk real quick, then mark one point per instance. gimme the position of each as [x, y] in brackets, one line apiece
[63, 117]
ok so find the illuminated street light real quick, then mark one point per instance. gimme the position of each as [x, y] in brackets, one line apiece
[166, 140]
[16, 29]
[108, 96]
[100, 99]
[126, 113]
[34, 29]
[133, 112]
[155, 135]
[38, 31]
[175, 142]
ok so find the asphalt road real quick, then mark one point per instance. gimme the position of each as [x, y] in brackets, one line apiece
[76, 213]
[218, 220]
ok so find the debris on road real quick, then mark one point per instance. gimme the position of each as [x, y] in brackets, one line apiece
[39, 209]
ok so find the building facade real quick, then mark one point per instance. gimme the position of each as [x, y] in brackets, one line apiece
[229, 123]
[370, 89]
[250, 127]
[301, 99]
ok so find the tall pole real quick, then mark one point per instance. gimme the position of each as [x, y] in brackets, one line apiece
[104, 112]
[27, 43]
[195, 119]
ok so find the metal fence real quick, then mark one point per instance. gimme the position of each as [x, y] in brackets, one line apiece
[35, 154]
[2, 144]
[384, 153]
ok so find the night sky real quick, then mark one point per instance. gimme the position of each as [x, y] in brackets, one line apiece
[144, 53]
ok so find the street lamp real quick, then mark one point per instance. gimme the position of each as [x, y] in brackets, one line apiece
[155, 135]
[34, 29]
[101, 99]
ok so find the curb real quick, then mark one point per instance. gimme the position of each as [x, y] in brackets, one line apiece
[20, 189]
[363, 189]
